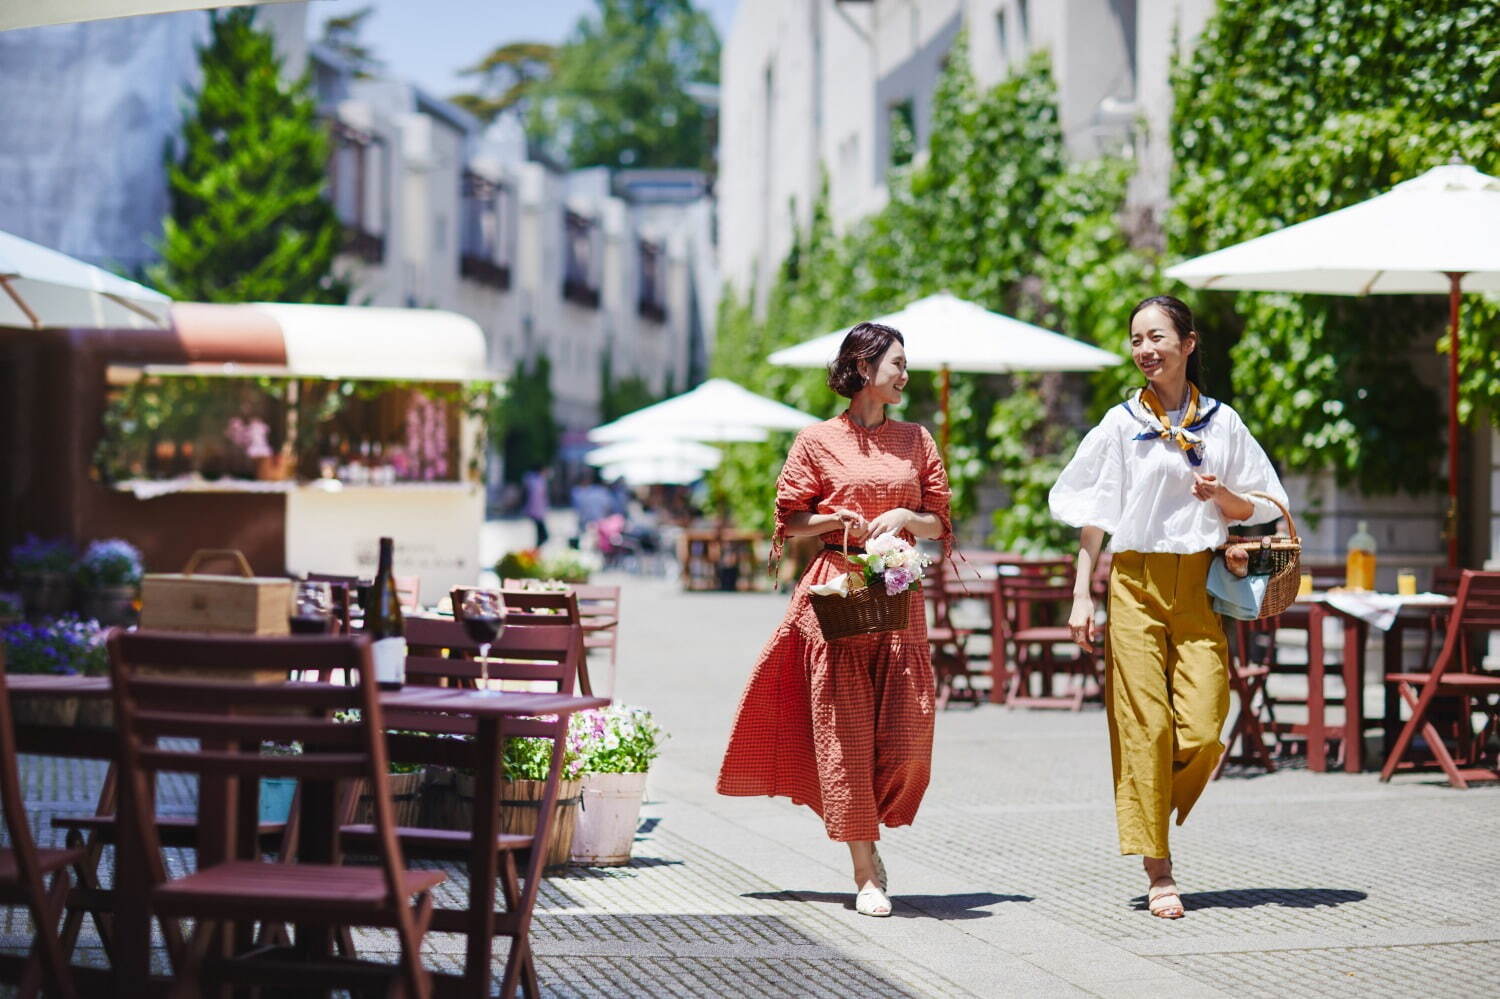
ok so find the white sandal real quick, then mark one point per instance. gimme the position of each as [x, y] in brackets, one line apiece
[1163, 900]
[871, 901]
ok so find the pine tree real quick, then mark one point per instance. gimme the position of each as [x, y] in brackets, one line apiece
[249, 217]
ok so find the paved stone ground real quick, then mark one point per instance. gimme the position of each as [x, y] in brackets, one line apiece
[1008, 885]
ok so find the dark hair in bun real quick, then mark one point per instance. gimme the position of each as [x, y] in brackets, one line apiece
[866, 342]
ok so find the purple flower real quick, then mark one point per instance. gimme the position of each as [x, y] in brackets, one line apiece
[898, 580]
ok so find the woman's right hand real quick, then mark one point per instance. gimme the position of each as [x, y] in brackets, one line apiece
[857, 525]
[1081, 623]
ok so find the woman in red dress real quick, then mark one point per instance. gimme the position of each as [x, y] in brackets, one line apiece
[846, 727]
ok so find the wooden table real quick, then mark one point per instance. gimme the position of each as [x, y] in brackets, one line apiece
[216, 808]
[1414, 610]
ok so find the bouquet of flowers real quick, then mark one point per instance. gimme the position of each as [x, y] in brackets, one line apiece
[38, 555]
[891, 560]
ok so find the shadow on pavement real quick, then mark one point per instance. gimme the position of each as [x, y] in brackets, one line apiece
[964, 906]
[1250, 898]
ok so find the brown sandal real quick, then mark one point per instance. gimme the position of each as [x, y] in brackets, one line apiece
[1163, 900]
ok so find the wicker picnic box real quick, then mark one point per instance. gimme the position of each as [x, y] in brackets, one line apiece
[242, 604]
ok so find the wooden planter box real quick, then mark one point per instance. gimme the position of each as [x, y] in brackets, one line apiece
[452, 807]
[406, 795]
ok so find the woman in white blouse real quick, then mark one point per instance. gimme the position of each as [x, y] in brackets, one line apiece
[1164, 475]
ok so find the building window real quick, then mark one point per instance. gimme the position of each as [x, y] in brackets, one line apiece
[488, 217]
[652, 303]
[1023, 23]
[357, 187]
[903, 128]
[1002, 34]
[580, 260]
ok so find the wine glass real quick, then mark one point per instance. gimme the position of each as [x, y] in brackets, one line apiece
[482, 616]
[312, 608]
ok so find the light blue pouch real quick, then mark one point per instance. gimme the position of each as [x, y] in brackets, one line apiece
[1235, 597]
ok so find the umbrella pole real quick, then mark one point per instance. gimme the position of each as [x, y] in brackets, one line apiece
[1450, 527]
[943, 380]
[20, 302]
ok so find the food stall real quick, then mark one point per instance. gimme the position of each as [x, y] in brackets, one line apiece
[299, 434]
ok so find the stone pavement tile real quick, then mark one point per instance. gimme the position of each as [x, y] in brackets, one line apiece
[1453, 971]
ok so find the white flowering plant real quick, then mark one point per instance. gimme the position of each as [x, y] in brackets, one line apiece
[890, 561]
[615, 740]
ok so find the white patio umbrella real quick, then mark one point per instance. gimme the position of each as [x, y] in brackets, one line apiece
[659, 472]
[33, 13]
[717, 410]
[652, 449]
[944, 333]
[41, 288]
[1436, 233]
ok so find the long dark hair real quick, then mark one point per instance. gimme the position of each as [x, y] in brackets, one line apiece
[1181, 318]
[866, 342]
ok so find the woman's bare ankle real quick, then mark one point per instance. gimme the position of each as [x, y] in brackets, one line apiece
[1157, 867]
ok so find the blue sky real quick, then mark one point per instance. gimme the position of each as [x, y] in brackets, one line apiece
[428, 41]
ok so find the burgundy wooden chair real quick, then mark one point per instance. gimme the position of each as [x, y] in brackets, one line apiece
[949, 644]
[522, 652]
[25, 870]
[1454, 677]
[548, 608]
[1030, 616]
[599, 613]
[1247, 678]
[172, 688]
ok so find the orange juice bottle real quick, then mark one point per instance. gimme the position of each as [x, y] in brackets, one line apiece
[1359, 566]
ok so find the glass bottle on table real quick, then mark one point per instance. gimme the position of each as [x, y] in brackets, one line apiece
[385, 625]
[482, 615]
[1359, 564]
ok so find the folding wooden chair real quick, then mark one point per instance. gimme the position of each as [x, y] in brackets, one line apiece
[176, 688]
[599, 613]
[522, 652]
[24, 872]
[1247, 678]
[1454, 676]
[949, 644]
[546, 608]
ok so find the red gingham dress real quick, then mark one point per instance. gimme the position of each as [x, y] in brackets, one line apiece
[844, 727]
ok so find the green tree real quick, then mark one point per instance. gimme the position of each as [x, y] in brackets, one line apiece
[508, 77]
[529, 433]
[249, 217]
[342, 33]
[619, 396]
[621, 92]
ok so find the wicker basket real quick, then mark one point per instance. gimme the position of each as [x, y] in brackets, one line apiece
[865, 611]
[1284, 553]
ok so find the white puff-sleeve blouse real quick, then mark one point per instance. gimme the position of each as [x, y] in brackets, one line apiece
[1140, 491]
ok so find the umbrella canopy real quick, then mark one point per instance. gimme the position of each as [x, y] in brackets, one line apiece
[944, 331]
[650, 449]
[1404, 242]
[1432, 234]
[717, 410]
[32, 13]
[41, 288]
[660, 472]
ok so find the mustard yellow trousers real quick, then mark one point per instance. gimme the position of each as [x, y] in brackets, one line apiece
[1166, 690]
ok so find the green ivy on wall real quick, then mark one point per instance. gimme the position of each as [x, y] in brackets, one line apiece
[1291, 109]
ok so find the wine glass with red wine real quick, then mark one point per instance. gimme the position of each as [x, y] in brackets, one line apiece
[483, 617]
[312, 608]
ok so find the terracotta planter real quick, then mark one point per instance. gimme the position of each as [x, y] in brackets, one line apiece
[406, 796]
[519, 801]
[275, 468]
[58, 711]
[45, 592]
[611, 810]
[111, 605]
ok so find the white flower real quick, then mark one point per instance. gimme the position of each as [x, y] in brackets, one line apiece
[886, 544]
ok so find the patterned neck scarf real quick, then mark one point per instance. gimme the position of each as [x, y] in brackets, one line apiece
[1185, 434]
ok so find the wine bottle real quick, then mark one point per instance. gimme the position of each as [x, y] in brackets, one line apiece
[384, 624]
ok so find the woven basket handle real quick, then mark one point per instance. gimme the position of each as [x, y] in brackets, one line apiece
[1291, 523]
[846, 541]
[203, 554]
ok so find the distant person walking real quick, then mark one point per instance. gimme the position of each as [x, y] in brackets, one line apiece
[1164, 475]
[846, 727]
[536, 483]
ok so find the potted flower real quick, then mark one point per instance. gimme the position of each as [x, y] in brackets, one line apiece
[110, 575]
[64, 646]
[616, 746]
[405, 781]
[11, 609]
[524, 564]
[43, 569]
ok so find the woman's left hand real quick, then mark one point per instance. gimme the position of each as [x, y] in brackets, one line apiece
[891, 522]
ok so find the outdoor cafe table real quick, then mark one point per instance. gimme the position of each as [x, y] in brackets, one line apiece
[1409, 611]
[132, 927]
